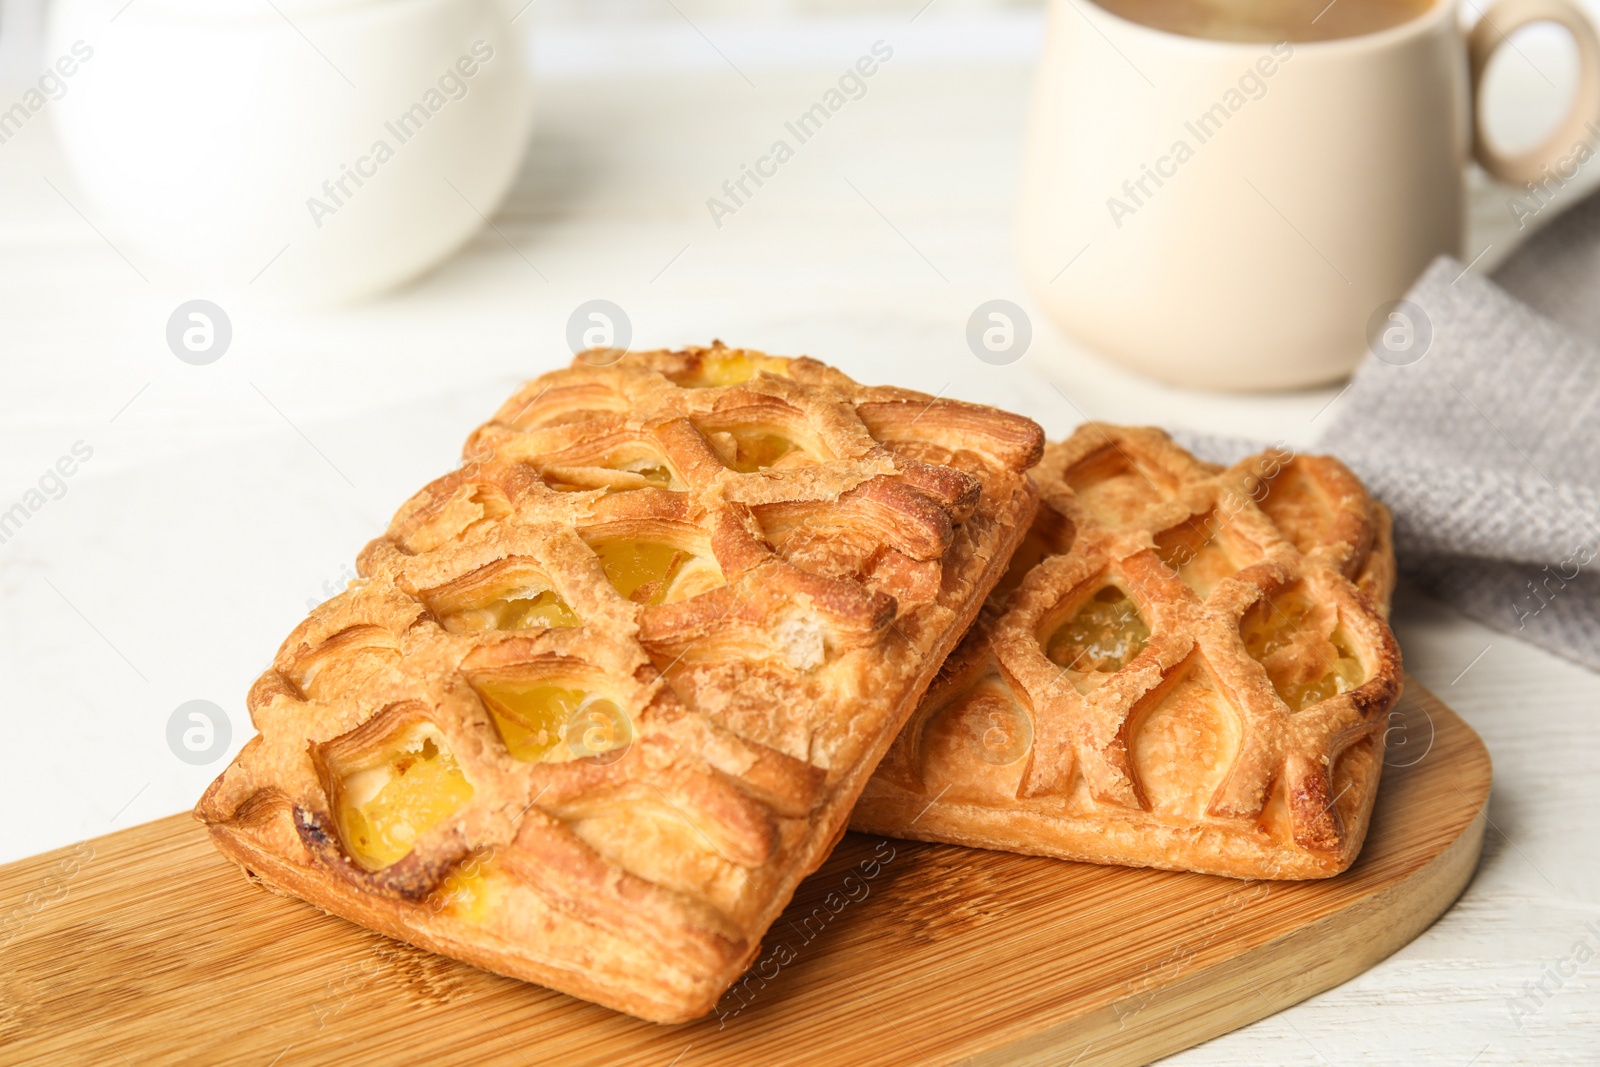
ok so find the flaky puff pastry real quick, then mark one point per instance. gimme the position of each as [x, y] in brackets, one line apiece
[1187, 667]
[604, 695]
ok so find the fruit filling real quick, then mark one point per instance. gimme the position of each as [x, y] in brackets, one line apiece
[545, 722]
[616, 476]
[527, 608]
[385, 807]
[1306, 652]
[721, 367]
[1099, 640]
[748, 451]
[659, 475]
[467, 891]
[655, 572]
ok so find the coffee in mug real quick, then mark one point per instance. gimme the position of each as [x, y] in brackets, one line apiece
[1267, 21]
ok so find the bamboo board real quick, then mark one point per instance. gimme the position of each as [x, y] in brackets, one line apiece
[146, 947]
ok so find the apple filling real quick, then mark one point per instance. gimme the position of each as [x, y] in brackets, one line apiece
[511, 594]
[723, 367]
[748, 451]
[655, 572]
[1099, 639]
[528, 608]
[384, 807]
[468, 891]
[1304, 649]
[542, 721]
[615, 475]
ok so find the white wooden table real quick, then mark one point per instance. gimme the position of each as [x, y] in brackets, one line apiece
[220, 499]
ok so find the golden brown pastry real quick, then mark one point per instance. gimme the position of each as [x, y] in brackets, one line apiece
[604, 695]
[1186, 667]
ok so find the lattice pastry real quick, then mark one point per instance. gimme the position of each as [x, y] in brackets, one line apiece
[1186, 667]
[605, 694]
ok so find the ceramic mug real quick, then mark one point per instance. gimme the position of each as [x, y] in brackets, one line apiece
[1233, 215]
[312, 151]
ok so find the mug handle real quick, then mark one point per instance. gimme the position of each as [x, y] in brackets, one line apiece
[1493, 29]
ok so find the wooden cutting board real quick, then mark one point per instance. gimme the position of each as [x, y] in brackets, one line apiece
[146, 947]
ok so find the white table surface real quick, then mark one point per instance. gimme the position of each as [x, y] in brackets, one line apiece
[220, 499]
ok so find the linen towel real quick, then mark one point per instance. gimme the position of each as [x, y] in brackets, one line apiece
[1478, 423]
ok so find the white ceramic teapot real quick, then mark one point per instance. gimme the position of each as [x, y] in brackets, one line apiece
[312, 151]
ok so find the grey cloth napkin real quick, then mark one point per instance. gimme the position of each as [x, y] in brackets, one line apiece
[1481, 436]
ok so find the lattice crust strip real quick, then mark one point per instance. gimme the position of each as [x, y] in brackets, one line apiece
[606, 693]
[1186, 667]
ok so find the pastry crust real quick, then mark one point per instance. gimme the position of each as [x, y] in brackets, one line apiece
[800, 552]
[1188, 667]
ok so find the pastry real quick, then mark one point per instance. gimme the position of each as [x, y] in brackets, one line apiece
[1186, 667]
[604, 695]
